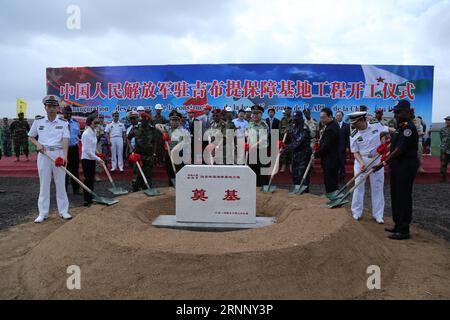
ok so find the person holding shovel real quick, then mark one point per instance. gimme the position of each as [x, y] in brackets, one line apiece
[53, 140]
[364, 144]
[258, 132]
[145, 139]
[89, 158]
[300, 146]
[175, 137]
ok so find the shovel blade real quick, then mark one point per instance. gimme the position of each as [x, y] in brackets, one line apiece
[152, 192]
[332, 195]
[105, 201]
[298, 189]
[295, 189]
[118, 191]
[268, 188]
[337, 203]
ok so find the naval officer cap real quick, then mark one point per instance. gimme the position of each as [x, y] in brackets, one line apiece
[447, 118]
[158, 107]
[356, 116]
[257, 109]
[175, 115]
[51, 100]
[248, 109]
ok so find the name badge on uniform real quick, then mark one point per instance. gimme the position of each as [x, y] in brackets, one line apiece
[360, 139]
[41, 128]
[58, 127]
[374, 131]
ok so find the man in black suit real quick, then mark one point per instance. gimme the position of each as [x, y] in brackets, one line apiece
[344, 142]
[328, 150]
[272, 123]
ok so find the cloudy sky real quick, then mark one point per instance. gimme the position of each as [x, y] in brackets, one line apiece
[34, 36]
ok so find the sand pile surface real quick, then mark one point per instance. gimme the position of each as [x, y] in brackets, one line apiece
[312, 252]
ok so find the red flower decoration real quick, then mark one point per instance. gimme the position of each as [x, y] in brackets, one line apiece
[316, 146]
[59, 162]
[382, 149]
[281, 145]
[246, 147]
[383, 157]
[166, 137]
[135, 157]
[101, 156]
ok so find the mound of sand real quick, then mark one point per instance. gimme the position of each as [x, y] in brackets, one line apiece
[311, 252]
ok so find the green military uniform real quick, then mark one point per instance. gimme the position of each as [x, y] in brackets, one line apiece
[5, 133]
[145, 145]
[19, 130]
[418, 125]
[177, 136]
[445, 151]
[219, 126]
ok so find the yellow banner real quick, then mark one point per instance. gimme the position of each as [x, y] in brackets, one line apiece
[21, 107]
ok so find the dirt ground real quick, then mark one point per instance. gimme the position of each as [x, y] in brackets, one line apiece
[311, 253]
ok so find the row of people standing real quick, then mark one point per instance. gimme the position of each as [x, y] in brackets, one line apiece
[15, 135]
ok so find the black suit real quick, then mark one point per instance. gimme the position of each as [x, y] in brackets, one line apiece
[275, 125]
[344, 143]
[329, 156]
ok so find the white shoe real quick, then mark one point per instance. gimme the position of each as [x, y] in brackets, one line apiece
[65, 216]
[41, 218]
[356, 217]
[380, 221]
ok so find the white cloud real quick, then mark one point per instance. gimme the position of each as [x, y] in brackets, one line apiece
[176, 32]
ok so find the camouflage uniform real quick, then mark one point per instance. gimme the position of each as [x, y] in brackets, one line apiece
[159, 142]
[176, 137]
[286, 157]
[300, 144]
[102, 147]
[313, 129]
[145, 145]
[221, 126]
[445, 151]
[391, 123]
[19, 131]
[6, 139]
[418, 125]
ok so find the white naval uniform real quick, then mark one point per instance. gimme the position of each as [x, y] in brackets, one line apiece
[366, 143]
[51, 135]
[116, 131]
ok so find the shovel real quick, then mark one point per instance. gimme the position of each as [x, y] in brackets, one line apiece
[173, 165]
[338, 193]
[300, 188]
[342, 199]
[96, 198]
[269, 188]
[151, 192]
[117, 191]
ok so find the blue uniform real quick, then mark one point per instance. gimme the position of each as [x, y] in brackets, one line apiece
[300, 145]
